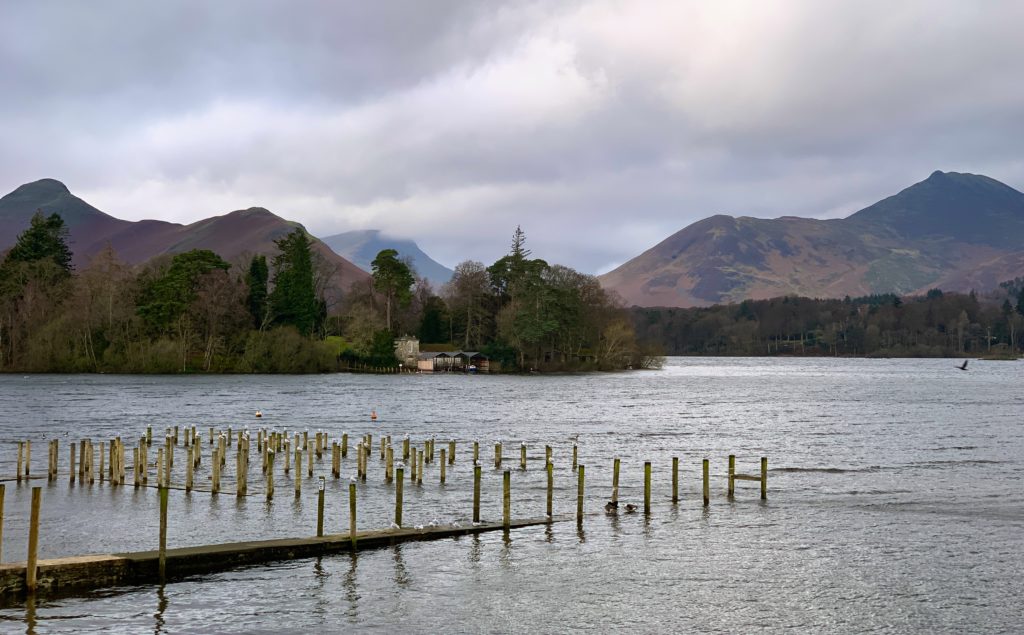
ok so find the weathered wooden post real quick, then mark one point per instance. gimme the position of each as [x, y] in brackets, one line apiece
[506, 506]
[21, 459]
[33, 541]
[159, 468]
[405, 448]
[614, 481]
[675, 479]
[707, 491]
[419, 470]
[547, 455]
[579, 496]
[163, 534]
[399, 486]
[189, 469]
[352, 513]
[3, 489]
[270, 476]
[731, 490]
[647, 487]
[764, 478]
[575, 453]
[551, 486]
[28, 458]
[497, 455]
[476, 493]
[320, 509]
[444, 463]
[451, 451]
[389, 464]
[476, 452]
[344, 445]
[522, 456]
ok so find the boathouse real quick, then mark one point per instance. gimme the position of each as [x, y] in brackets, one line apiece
[454, 362]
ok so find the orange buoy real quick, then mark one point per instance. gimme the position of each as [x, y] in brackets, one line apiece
[259, 414]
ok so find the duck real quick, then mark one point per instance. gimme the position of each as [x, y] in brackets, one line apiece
[630, 508]
[259, 413]
[611, 507]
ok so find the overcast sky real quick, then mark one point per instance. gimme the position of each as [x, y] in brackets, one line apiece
[600, 127]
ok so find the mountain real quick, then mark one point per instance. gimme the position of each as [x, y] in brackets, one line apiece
[951, 231]
[233, 236]
[362, 246]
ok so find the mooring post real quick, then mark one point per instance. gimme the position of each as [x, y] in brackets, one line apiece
[476, 452]
[506, 507]
[270, 476]
[33, 541]
[21, 459]
[352, 513]
[476, 493]
[189, 469]
[344, 444]
[707, 490]
[405, 448]
[159, 468]
[551, 486]
[3, 488]
[497, 455]
[399, 486]
[28, 457]
[522, 456]
[579, 496]
[419, 470]
[320, 509]
[389, 464]
[163, 534]
[731, 490]
[451, 451]
[647, 487]
[443, 464]
[575, 453]
[615, 480]
[675, 479]
[547, 455]
[764, 478]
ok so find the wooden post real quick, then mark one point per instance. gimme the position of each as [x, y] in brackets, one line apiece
[451, 451]
[28, 458]
[270, 476]
[405, 448]
[298, 475]
[497, 455]
[522, 456]
[3, 489]
[547, 454]
[320, 510]
[615, 480]
[33, 541]
[647, 487]
[579, 496]
[732, 476]
[163, 534]
[476, 452]
[21, 459]
[551, 486]
[189, 469]
[764, 478]
[389, 464]
[707, 492]
[135, 466]
[168, 462]
[309, 459]
[675, 479]
[476, 493]
[159, 468]
[444, 463]
[430, 455]
[344, 445]
[215, 468]
[575, 453]
[506, 506]
[352, 513]
[419, 470]
[399, 486]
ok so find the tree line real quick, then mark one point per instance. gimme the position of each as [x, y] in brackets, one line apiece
[196, 312]
[937, 324]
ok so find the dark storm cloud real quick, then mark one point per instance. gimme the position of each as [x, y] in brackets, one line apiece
[600, 127]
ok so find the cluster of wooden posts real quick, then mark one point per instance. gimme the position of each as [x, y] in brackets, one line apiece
[297, 451]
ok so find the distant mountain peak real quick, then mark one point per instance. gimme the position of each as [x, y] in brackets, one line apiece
[42, 187]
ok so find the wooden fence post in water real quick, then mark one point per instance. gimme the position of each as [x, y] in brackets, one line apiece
[405, 448]
[189, 468]
[73, 455]
[33, 541]
[551, 486]
[270, 476]
[399, 486]
[522, 456]
[28, 458]
[163, 534]
[707, 491]
[3, 489]
[159, 468]
[444, 464]
[647, 487]
[575, 453]
[419, 470]
[21, 459]
[476, 452]
[764, 478]
[731, 489]
[352, 513]
[344, 444]
[675, 479]
[451, 451]
[579, 496]
[389, 464]
[497, 455]
[506, 500]
[320, 509]
[476, 493]
[615, 481]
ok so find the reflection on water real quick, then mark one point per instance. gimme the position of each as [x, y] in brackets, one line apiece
[894, 501]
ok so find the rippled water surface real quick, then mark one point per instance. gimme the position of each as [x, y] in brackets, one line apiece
[895, 501]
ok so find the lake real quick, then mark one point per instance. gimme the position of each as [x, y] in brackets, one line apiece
[895, 500]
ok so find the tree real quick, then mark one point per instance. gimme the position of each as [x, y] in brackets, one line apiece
[294, 301]
[256, 300]
[466, 293]
[45, 239]
[392, 278]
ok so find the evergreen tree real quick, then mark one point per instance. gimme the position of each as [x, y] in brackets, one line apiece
[293, 300]
[166, 298]
[45, 239]
[257, 280]
[393, 278]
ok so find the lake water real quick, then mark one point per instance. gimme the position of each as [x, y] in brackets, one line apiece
[895, 501]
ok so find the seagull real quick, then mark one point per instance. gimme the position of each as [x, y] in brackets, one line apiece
[964, 367]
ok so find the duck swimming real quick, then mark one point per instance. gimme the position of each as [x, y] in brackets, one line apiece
[630, 508]
[611, 507]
